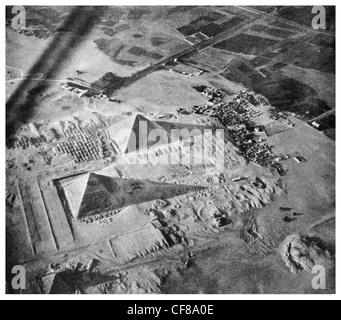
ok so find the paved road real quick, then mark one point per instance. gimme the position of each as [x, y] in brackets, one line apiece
[200, 46]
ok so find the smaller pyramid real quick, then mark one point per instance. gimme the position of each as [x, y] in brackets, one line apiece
[56, 284]
[132, 134]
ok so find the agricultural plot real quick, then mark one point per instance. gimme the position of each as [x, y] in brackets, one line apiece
[273, 129]
[137, 51]
[138, 13]
[106, 80]
[260, 61]
[246, 44]
[187, 30]
[211, 30]
[197, 38]
[180, 9]
[215, 58]
[231, 23]
[283, 25]
[307, 111]
[259, 28]
[208, 26]
[108, 31]
[278, 65]
[324, 41]
[306, 55]
[291, 95]
[237, 76]
[242, 71]
[302, 15]
[327, 125]
[157, 41]
[50, 17]
[280, 33]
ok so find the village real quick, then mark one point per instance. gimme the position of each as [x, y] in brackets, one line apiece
[235, 115]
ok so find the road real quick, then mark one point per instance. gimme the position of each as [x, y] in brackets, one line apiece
[292, 23]
[260, 15]
[326, 114]
[108, 90]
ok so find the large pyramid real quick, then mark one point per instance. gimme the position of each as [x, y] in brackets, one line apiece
[132, 134]
[58, 283]
[94, 194]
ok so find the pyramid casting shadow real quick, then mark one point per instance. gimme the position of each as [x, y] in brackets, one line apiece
[98, 194]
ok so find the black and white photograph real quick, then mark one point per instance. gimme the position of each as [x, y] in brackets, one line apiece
[159, 149]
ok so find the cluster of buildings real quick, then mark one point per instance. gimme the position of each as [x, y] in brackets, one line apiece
[259, 153]
[232, 113]
[280, 116]
[315, 124]
[81, 91]
[214, 95]
[278, 166]
[85, 149]
[81, 143]
[187, 74]
[255, 100]
[36, 31]
[236, 112]
[24, 142]
[235, 115]
[185, 70]
[33, 138]
[74, 132]
[84, 144]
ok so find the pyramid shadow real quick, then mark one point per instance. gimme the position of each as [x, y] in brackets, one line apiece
[67, 282]
[106, 194]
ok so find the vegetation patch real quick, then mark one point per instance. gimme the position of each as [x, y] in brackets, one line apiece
[108, 31]
[158, 41]
[247, 44]
[138, 13]
[105, 81]
[140, 52]
[187, 30]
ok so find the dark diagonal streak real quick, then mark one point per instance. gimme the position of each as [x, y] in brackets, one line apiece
[21, 105]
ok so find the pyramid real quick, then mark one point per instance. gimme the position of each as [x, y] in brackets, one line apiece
[56, 284]
[94, 194]
[132, 134]
[100, 194]
[74, 190]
